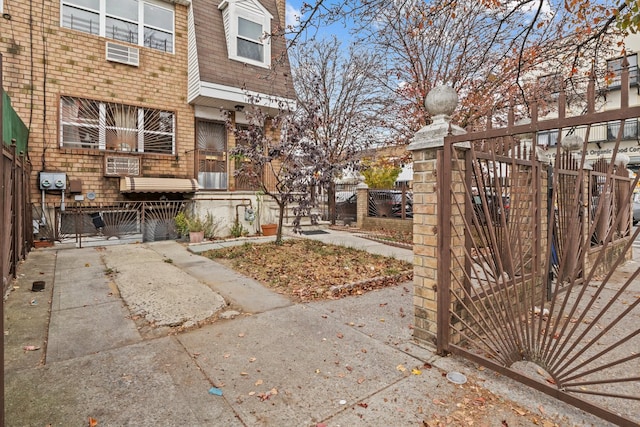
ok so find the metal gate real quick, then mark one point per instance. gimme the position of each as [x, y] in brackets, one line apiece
[532, 242]
[93, 223]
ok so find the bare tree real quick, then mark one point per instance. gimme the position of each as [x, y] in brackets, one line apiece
[484, 49]
[279, 159]
[344, 96]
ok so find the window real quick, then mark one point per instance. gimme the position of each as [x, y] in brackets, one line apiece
[630, 130]
[145, 23]
[98, 125]
[249, 44]
[550, 84]
[247, 25]
[548, 138]
[614, 70]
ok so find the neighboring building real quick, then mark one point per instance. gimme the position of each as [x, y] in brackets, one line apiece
[602, 137]
[126, 100]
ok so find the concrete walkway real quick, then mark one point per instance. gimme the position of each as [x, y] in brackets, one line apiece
[262, 361]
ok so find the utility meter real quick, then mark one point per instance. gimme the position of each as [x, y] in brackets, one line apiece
[249, 215]
[53, 181]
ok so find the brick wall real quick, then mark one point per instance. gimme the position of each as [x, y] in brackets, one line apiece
[425, 245]
[44, 61]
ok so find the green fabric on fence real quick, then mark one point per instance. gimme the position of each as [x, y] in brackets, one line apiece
[12, 126]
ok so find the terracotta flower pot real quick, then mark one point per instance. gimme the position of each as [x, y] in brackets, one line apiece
[196, 236]
[42, 243]
[269, 229]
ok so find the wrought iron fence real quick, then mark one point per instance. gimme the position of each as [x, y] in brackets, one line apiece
[390, 203]
[346, 202]
[496, 304]
[147, 221]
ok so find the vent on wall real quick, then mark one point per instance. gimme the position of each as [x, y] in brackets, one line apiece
[123, 54]
[121, 166]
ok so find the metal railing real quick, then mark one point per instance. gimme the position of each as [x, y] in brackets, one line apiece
[396, 203]
[147, 221]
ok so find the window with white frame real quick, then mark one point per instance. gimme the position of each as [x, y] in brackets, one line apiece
[614, 70]
[550, 86]
[247, 25]
[85, 123]
[146, 23]
[630, 130]
[547, 138]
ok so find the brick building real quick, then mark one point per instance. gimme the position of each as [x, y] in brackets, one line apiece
[126, 100]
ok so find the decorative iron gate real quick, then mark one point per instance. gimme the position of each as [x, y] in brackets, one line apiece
[532, 289]
[85, 223]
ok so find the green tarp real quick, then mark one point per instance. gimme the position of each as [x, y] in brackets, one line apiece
[12, 126]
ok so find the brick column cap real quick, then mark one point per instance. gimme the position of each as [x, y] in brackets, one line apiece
[432, 136]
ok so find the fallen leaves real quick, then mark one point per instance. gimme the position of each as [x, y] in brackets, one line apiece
[309, 270]
[473, 405]
[520, 411]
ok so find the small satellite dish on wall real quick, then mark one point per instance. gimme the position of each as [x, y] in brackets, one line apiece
[91, 195]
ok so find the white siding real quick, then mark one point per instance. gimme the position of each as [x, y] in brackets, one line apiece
[193, 72]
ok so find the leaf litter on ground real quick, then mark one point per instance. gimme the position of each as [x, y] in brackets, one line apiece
[307, 270]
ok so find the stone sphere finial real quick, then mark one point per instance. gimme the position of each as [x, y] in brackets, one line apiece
[441, 100]
[621, 160]
[572, 142]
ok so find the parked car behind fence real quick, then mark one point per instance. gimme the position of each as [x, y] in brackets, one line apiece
[382, 203]
[390, 203]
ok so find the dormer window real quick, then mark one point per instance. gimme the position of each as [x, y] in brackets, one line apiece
[247, 26]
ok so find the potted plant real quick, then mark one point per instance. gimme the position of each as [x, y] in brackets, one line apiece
[196, 230]
[269, 229]
[190, 224]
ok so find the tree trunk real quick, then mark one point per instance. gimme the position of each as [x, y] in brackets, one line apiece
[281, 206]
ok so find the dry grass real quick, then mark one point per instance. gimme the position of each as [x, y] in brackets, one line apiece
[307, 269]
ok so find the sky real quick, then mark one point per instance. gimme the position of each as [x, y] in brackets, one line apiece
[293, 13]
[293, 18]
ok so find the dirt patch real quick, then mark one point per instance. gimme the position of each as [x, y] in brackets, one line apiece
[307, 270]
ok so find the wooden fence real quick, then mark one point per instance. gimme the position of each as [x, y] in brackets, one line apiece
[15, 212]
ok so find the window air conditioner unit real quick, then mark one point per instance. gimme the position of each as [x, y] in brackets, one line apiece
[121, 166]
[123, 54]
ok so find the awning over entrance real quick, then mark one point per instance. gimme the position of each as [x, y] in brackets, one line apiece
[129, 184]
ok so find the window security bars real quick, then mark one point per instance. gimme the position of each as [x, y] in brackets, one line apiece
[86, 123]
[141, 23]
